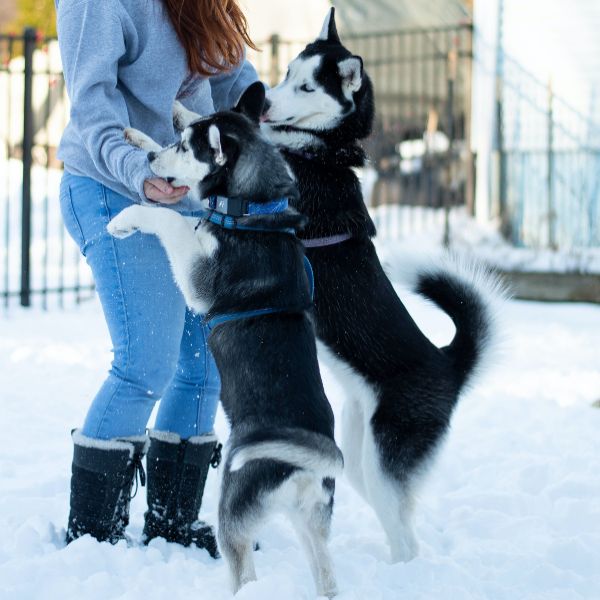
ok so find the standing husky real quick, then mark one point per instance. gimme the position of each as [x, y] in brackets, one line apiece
[401, 389]
[244, 268]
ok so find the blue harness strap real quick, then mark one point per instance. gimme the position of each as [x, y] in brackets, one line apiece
[259, 312]
[219, 205]
[310, 276]
[225, 213]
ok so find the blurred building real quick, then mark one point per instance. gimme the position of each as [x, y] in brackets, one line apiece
[300, 20]
[8, 12]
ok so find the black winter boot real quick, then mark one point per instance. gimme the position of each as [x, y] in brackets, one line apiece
[103, 472]
[177, 471]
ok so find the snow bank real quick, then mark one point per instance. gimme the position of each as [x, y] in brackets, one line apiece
[402, 229]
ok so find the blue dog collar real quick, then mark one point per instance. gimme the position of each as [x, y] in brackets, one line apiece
[237, 207]
[225, 212]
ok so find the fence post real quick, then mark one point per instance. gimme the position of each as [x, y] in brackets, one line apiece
[448, 193]
[468, 107]
[550, 178]
[29, 40]
[500, 206]
[274, 67]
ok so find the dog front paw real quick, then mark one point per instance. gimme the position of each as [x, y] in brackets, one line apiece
[182, 117]
[134, 137]
[178, 112]
[128, 221]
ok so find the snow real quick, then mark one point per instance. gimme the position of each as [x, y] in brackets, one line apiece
[55, 259]
[422, 228]
[511, 508]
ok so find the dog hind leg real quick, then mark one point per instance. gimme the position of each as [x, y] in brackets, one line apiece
[238, 523]
[312, 526]
[238, 555]
[392, 503]
[235, 536]
[352, 444]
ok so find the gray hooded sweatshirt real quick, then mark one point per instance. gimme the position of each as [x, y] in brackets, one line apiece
[124, 67]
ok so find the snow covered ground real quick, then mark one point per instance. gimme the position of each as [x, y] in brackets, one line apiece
[510, 511]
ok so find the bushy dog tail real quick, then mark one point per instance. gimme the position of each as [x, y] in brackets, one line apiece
[322, 456]
[471, 295]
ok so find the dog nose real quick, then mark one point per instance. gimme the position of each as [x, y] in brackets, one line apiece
[151, 156]
[169, 179]
[264, 115]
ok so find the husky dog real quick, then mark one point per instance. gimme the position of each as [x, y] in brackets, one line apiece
[247, 274]
[401, 389]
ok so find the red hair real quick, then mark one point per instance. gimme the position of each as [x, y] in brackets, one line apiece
[213, 33]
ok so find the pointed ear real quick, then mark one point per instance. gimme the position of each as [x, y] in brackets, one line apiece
[351, 70]
[329, 31]
[252, 101]
[214, 139]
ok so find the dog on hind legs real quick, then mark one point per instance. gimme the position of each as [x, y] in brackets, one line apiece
[401, 390]
[244, 268]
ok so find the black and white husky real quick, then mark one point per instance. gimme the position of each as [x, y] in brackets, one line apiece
[250, 281]
[400, 388]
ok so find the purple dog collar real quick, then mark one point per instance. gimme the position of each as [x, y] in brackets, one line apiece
[326, 241]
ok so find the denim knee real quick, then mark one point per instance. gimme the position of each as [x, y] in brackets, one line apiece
[145, 369]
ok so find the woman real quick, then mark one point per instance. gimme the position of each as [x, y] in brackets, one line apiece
[125, 62]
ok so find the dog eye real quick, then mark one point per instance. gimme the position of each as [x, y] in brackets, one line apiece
[305, 88]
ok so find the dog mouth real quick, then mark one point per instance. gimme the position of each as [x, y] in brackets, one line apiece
[291, 121]
[269, 121]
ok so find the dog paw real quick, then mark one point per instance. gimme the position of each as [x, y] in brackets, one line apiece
[125, 223]
[134, 137]
[405, 551]
[182, 117]
[178, 111]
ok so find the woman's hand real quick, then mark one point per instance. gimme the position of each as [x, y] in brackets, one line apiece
[159, 190]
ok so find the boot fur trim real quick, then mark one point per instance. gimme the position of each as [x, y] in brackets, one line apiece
[125, 443]
[174, 438]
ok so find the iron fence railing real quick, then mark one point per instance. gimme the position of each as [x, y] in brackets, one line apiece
[39, 264]
[550, 165]
[419, 159]
[422, 83]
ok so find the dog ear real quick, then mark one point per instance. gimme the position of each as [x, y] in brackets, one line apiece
[252, 101]
[214, 139]
[329, 31]
[351, 70]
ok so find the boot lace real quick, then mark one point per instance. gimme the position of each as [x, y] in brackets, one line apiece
[215, 459]
[138, 472]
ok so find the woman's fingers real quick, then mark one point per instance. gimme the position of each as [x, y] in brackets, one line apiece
[164, 186]
[159, 190]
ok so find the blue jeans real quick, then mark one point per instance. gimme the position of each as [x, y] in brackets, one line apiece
[159, 346]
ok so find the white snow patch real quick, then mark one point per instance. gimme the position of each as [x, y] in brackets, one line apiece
[404, 230]
[510, 509]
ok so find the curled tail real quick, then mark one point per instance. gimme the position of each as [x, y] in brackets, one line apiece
[469, 294]
[306, 450]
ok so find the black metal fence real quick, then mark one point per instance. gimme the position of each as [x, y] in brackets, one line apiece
[549, 165]
[39, 264]
[420, 160]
